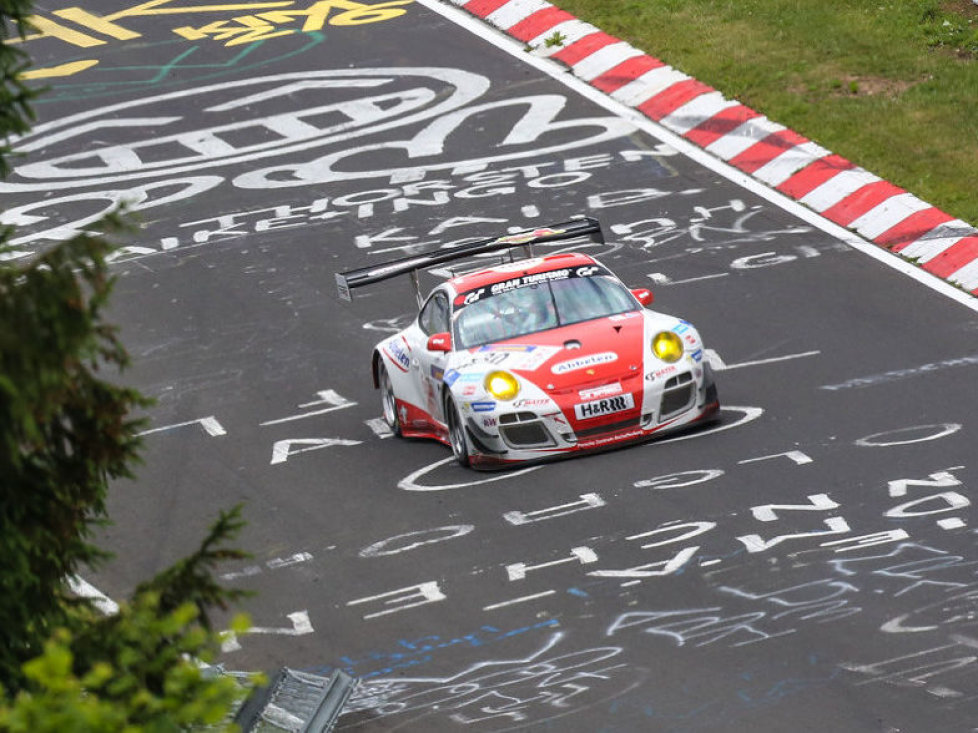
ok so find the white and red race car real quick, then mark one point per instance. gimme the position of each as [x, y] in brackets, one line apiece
[536, 358]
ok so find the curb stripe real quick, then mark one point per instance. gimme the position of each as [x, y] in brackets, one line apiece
[880, 218]
[859, 202]
[967, 276]
[511, 13]
[761, 153]
[789, 162]
[625, 72]
[672, 98]
[938, 239]
[837, 188]
[482, 8]
[539, 23]
[912, 228]
[696, 112]
[954, 257]
[743, 138]
[720, 124]
[648, 85]
[570, 31]
[583, 48]
[811, 177]
[600, 62]
[852, 197]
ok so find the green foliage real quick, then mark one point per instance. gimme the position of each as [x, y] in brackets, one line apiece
[66, 432]
[135, 671]
[555, 39]
[192, 579]
[15, 96]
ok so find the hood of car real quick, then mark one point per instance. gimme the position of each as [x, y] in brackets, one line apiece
[593, 352]
[565, 358]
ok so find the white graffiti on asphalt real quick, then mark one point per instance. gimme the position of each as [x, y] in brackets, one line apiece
[252, 121]
[537, 122]
[266, 117]
[497, 690]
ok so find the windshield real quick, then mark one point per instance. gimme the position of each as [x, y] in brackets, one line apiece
[539, 307]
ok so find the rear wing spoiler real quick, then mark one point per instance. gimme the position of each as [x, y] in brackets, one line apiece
[583, 226]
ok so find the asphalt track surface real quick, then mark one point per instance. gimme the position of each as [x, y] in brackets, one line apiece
[807, 565]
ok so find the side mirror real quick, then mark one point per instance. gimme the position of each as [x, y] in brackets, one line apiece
[440, 342]
[643, 296]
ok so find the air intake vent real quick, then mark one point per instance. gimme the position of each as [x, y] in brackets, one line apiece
[677, 396]
[524, 435]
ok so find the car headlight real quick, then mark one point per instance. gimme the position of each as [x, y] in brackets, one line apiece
[502, 385]
[667, 346]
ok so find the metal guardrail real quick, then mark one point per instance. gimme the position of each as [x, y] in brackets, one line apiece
[296, 702]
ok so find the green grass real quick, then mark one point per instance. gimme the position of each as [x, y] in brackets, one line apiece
[891, 85]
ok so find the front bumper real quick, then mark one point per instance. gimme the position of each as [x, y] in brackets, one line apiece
[508, 435]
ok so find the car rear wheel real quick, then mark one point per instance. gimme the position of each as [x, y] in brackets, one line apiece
[388, 401]
[456, 432]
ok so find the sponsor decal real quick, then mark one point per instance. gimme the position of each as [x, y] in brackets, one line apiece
[659, 373]
[398, 355]
[682, 327]
[470, 377]
[606, 406]
[604, 391]
[469, 389]
[527, 280]
[488, 422]
[450, 376]
[583, 362]
[469, 298]
[611, 439]
[514, 356]
[437, 373]
[482, 406]
[697, 355]
[531, 402]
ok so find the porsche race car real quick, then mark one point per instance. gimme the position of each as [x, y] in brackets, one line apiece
[535, 358]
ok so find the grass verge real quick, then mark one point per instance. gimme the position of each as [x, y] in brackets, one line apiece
[891, 85]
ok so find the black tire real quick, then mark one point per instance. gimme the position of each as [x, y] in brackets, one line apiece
[457, 435]
[710, 383]
[387, 399]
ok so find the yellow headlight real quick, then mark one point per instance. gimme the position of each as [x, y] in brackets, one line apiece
[667, 346]
[502, 385]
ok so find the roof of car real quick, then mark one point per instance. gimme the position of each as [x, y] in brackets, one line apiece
[528, 266]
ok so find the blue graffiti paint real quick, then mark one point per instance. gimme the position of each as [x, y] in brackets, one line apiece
[415, 652]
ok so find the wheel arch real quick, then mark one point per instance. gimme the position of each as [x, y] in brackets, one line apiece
[375, 368]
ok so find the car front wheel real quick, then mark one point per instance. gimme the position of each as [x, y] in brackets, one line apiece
[456, 432]
[388, 402]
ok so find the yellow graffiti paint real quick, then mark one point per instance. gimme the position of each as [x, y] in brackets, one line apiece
[249, 29]
[261, 26]
[93, 29]
[53, 29]
[96, 23]
[51, 72]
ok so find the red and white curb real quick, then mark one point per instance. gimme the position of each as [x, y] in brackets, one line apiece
[835, 188]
